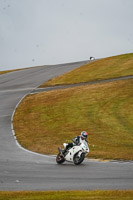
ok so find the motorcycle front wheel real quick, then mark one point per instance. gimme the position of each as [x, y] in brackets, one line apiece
[78, 160]
[60, 159]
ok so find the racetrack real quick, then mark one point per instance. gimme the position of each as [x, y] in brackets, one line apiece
[23, 170]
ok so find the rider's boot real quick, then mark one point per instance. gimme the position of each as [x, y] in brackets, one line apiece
[63, 151]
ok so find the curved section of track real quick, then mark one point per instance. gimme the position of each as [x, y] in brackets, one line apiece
[22, 170]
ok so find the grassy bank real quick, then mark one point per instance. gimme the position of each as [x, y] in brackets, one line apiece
[103, 110]
[116, 66]
[65, 195]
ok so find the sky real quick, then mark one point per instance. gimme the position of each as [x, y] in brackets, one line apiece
[47, 32]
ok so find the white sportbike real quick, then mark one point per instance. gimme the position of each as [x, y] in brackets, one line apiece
[76, 154]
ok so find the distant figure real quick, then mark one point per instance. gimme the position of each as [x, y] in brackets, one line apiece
[92, 58]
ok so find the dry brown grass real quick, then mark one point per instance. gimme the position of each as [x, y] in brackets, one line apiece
[65, 195]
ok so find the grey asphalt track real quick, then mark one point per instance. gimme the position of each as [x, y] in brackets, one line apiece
[23, 170]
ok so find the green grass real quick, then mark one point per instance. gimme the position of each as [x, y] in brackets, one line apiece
[116, 66]
[103, 110]
[65, 195]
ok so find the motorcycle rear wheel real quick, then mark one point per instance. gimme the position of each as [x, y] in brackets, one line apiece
[78, 160]
[60, 159]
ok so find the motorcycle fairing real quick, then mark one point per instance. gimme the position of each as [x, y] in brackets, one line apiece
[72, 152]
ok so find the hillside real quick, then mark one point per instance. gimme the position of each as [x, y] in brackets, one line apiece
[45, 120]
[116, 66]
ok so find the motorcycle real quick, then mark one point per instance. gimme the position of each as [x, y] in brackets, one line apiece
[76, 154]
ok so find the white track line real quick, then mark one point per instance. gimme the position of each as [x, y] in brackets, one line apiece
[13, 132]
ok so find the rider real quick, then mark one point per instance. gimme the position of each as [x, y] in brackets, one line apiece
[77, 140]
